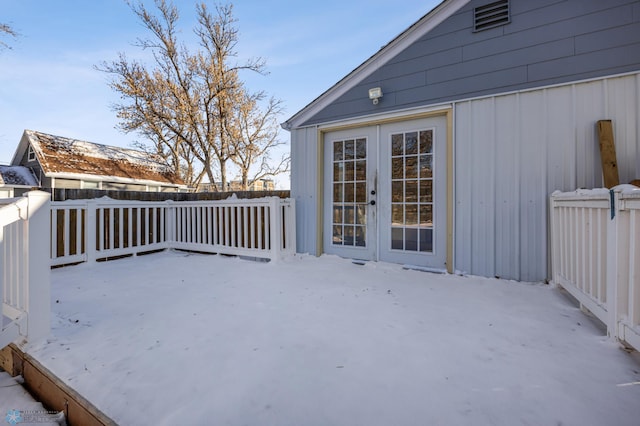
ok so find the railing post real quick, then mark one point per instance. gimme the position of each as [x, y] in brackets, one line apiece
[38, 304]
[90, 231]
[612, 265]
[553, 236]
[275, 228]
[290, 223]
[170, 223]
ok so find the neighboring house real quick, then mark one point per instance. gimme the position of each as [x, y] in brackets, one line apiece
[441, 150]
[15, 181]
[236, 185]
[59, 162]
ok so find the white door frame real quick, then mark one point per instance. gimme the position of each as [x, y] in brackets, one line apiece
[322, 130]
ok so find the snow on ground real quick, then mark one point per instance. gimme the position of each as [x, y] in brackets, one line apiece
[177, 338]
[15, 400]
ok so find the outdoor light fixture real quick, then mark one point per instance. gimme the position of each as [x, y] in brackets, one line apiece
[375, 94]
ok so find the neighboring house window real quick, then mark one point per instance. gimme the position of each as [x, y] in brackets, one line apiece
[88, 184]
[491, 15]
[31, 154]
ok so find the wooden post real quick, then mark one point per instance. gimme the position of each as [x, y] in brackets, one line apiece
[608, 154]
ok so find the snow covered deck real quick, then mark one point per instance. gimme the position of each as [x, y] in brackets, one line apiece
[178, 338]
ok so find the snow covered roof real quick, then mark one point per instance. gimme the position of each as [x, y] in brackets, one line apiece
[17, 176]
[60, 156]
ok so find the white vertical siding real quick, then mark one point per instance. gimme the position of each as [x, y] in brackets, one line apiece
[507, 209]
[304, 186]
[512, 151]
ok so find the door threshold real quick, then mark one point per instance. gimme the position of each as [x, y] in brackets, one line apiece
[425, 269]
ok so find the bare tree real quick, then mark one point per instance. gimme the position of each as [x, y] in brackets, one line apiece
[6, 29]
[254, 133]
[183, 100]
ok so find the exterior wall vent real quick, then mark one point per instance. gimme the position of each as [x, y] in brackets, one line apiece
[491, 15]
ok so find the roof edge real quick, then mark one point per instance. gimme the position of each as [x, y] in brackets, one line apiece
[118, 179]
[418, 29]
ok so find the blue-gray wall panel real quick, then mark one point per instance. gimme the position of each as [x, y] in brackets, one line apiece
[592, 62]
[547, 42]
[496, 63]
[578, 14]
[608, 38]
[545, 34]
[422, 63]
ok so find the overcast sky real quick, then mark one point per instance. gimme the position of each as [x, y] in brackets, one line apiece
[48, 83]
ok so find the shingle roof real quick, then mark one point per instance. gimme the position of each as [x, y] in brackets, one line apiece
[17, 176]
[57, 154]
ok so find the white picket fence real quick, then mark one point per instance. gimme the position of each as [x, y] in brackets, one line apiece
[595, 255]
[24, 268]
[90, 230]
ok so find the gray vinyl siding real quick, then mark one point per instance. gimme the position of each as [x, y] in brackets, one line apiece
[547, 42]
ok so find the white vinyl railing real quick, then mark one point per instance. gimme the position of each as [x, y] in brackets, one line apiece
[595, 255]
[24, 268]
[90, 230]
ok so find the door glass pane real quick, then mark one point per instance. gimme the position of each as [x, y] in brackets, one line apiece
[397, 191]
[426, 215]
[411, 239]
[426, 191]
[412, 191]
[337, 234]
[426, 240]
[337, 151]
[349, 192]
[337, 193]
[411, 143]
[361, 214]
[338, 172]
[337, 214]
[397, 214]
[349, 215]
[397, 238]
[426, 166]
[361, 170]
[361, 236]
[349, 150]
[397, 168]
[361, 148]
[348, 236]
[426, 142]
[397, 143]
[411, 167]
[361, 192]
[349, 175]
[411, 214]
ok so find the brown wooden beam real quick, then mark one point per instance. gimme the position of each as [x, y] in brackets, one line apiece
[608, 154]
[49, 390]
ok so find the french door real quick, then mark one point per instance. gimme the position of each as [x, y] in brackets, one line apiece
[385, 192]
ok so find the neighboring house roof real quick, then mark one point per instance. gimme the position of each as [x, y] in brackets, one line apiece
[71, 158]
[425, 24]
[17, 176]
